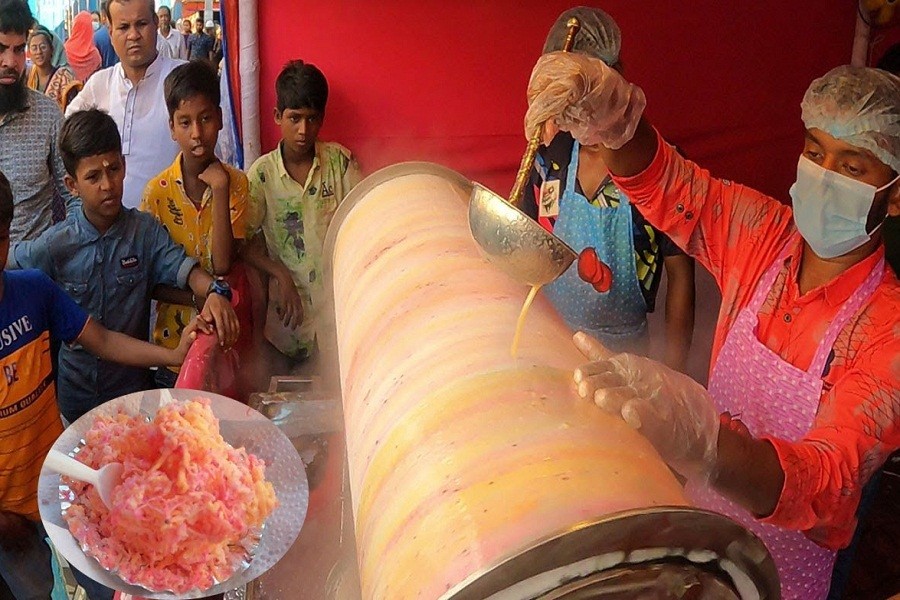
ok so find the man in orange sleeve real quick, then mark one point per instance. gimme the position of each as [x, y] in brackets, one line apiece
[806, 351]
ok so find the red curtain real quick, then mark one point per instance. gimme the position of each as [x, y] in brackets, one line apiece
[445, 81]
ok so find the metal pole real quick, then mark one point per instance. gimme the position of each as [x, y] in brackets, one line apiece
[249, 73]
[860, 56]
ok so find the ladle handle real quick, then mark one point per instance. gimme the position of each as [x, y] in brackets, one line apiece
[515, 196]
[68, 466]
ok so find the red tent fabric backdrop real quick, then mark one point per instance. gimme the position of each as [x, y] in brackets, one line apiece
[445, 81]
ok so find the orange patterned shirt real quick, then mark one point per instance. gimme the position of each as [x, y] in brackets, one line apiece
[737, 233]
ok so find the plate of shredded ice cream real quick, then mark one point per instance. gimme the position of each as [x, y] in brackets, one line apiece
[212, 495]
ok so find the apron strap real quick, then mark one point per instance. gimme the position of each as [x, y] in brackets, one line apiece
[847, 311]
[572, 173]
[768, 278]
[859, 298]
[540, 166]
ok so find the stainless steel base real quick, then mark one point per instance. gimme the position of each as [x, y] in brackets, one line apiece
[660, 552]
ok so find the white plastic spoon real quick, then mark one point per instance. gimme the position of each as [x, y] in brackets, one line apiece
[104, 480]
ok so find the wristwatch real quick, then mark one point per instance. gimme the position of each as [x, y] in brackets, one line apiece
[220, 286]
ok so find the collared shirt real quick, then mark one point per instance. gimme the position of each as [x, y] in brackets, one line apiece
[29, 157]
[190, 226]
[162, 48]
[32, 309]
[111, 276]
[294, 219]
[737, 233]
[108, 56]
[174, 42]
[141, 115]
[201, 45]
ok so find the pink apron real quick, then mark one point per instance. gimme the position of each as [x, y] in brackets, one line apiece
[775, 398]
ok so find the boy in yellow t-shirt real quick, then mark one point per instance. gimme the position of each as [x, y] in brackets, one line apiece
[198, 199]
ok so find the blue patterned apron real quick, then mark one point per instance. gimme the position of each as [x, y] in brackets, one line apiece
[618, 318]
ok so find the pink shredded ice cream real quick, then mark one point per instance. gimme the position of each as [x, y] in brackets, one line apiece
[187, 501]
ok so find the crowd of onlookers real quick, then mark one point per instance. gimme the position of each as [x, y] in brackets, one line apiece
[60, 69]
[112, 199]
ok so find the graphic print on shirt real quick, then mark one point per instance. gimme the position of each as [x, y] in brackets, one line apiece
[294, 217]
[549, 199]
[594, 271]
[29, 421]
[550, 172]
[190, 225]
[293, 226]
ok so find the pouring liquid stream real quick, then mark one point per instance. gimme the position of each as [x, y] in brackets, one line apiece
[520, 324]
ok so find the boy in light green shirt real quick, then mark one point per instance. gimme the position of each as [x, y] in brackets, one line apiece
[294, 192]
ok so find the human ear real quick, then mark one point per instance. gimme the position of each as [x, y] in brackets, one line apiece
[70, 184]
[893, 203]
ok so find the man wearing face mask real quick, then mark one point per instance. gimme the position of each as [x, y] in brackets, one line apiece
[806, 359]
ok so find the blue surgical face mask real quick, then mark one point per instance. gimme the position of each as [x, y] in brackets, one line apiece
[95, 25]
[831, 210]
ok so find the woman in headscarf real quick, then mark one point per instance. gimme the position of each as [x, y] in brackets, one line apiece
[56, 82]
[83, 55]
[59, 51]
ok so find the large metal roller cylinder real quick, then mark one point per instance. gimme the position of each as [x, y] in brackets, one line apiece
[461, 457]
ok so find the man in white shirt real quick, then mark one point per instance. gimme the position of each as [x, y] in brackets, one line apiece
[132, 93]
[170, 37]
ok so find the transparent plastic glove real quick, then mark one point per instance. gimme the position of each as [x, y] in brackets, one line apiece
[674, 412]
[583, 96]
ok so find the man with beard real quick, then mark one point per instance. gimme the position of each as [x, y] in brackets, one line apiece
[29, 124]
[132, 93]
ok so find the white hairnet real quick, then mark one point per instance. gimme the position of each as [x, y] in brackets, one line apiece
[598, 37]
[860, 106]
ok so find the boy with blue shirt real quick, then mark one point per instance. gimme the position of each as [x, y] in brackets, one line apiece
[110, 259]
[32, 310]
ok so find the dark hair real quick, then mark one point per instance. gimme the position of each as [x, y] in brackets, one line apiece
[6, 201]
[96, 12]
[87, 133]
[890, 61]
[168, 10]
[105, 7]
[15, 17]
[196, 78]
[301, 85]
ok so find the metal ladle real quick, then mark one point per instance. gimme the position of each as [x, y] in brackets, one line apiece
[507, 237]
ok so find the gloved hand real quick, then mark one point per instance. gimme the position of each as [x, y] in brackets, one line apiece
[582, 95]
[674, 412]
